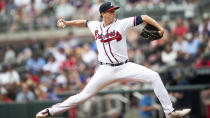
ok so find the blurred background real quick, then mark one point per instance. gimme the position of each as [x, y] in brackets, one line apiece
[41, 65]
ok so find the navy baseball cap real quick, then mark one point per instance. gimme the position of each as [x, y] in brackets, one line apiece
[107, 6]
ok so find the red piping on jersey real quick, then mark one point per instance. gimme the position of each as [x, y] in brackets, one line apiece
[104, 46]
[110, 46]
[107, 54]
[112, 53]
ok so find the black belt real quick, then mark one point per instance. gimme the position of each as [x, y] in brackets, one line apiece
[118, 64]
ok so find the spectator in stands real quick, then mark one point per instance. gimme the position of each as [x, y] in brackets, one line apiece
[11, 77]
[139, 56]
[1, 74]
[31, 79]
[48, 13]
[25, 54]
[207, 49]
[51, 94]
[183, 58]
[61, 79]
[47, 78]
[193, 44]
[132, 38]
[44, 94]
[193, 28]
[205, 98]
[204, 27]
[183, 97]
[49, 48]
[85, 10]
[84, 71]
[32, 12]
[21, 20]
[167, 35]
[52, 65]
[132, 1]
[147, 104]
[88, 55]
[35, 64]
[73, 41]
[3, 95]
[180, 29]
[9, 56]
[61, 9]
[63, 42]
[39, 5]
[180, 45]
[3, 16]
[60, 55]
[131, 55]
[11, 6]
[22, 3]
[70, 63]
[202, 62]
[78, 3]
[74, 82]
[94, 10]
[169, 56]
[155, 61]
[25, 95]
[2, 5]
[165, 23]
[38, 93]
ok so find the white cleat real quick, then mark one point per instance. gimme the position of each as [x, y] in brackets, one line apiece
[179, 113]
[43, 113]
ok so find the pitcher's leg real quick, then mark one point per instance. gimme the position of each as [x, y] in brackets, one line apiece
[100, 79]
[161, 92]
[135, 72]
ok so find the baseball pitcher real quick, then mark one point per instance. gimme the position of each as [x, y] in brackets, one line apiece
[110, 37]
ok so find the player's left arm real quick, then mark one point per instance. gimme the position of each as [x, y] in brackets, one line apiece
[151, 21]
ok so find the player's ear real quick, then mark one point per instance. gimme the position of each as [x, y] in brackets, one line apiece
[102, 14]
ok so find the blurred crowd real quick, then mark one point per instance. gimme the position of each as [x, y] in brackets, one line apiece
[37, 69]
[54, 65]
[19, 15]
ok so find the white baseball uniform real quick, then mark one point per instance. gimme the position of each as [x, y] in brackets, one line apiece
[112, 49]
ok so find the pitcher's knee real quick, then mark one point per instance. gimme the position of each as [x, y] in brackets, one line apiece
[154, 76]
[83, 97]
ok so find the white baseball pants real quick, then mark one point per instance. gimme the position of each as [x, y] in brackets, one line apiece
[106, 75]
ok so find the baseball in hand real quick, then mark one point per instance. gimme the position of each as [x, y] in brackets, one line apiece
[61, 24]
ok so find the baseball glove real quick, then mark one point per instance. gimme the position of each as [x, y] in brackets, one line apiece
[150, 32]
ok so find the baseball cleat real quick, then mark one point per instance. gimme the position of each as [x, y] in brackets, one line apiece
[43, 113]
[179, 113]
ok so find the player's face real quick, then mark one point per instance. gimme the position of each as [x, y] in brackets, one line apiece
[110, 15]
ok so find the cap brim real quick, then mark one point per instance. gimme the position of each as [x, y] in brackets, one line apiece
[113, 8]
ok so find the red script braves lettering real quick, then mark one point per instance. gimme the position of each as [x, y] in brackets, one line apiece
[108, 37]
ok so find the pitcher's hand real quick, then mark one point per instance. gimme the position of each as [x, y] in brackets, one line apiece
[61, 23]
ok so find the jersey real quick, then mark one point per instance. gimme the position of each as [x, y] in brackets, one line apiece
[111, 40]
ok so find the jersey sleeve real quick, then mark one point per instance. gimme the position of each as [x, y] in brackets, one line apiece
[132, 21]
[92, 25]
